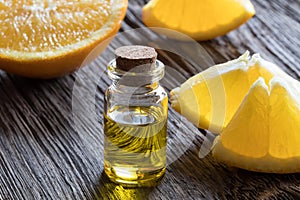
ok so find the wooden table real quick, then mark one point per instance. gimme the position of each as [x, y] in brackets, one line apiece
[50, 148]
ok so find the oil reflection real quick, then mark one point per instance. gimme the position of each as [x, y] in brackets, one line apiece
[108, 190]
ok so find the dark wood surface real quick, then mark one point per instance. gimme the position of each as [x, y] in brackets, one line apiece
[51, 136]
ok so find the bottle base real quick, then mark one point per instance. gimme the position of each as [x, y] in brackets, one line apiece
[134, 177]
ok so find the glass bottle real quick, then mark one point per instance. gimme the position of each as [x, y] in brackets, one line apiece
[135, 118]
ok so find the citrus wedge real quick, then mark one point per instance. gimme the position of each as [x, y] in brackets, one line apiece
[45, 39]
[263, 135]
[199, 19]
[210, 98]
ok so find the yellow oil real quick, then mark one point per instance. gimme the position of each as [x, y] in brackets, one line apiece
[135, 144]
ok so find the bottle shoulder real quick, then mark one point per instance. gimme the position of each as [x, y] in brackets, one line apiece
[148, 97]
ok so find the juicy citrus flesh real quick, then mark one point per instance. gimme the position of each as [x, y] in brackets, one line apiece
[50, 38]
[264, 134]
[252, 115]
[200, 19]
[37, 26]
[211, 98]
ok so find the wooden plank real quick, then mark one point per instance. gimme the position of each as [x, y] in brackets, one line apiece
[45, 153]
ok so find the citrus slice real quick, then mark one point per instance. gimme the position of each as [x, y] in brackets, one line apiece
[46, 39]
[263, 135]
[210, 98]
[199, 19]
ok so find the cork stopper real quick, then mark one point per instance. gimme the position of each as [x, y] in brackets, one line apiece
[135, 58]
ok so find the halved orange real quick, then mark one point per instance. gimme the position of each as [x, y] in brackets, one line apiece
[45, 39]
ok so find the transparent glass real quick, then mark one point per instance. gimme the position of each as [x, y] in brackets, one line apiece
[135, 126]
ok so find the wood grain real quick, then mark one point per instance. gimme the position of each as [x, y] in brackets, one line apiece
[48, 150]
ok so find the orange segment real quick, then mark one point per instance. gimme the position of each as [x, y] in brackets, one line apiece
[200, 19]
[50, 38]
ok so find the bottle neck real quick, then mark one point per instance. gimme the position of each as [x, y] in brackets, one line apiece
[135, 82]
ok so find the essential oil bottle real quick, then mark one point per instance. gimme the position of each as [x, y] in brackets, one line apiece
[135, 118]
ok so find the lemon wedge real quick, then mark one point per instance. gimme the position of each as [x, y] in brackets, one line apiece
[199, 19]
[210, 99]
[264, 133]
